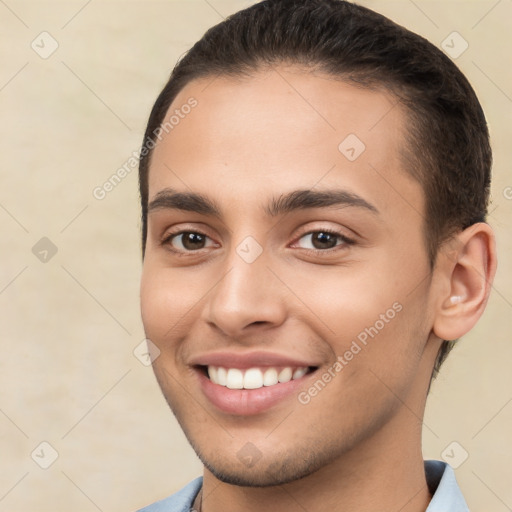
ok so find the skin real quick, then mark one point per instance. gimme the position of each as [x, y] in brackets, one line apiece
[357, 444]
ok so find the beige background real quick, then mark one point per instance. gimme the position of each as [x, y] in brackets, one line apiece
[69, 325]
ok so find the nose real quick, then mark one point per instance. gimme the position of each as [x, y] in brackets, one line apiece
[247, 297]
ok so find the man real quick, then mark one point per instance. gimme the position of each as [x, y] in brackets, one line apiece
[314, 183]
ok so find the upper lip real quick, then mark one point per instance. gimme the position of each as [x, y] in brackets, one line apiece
[244, 360]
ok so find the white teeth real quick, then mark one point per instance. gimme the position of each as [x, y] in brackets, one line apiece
[221, 376]
[285, 375]
[235, 379]
[299, 372]
[253, 378]
[270, 377]
[212, 373]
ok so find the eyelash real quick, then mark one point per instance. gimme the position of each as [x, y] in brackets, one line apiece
[345, 241]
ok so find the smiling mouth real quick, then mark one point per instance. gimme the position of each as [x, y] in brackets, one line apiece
[254, 378]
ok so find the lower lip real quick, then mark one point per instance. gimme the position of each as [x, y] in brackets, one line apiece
[245, 402]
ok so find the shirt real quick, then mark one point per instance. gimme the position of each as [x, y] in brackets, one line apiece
[446, 495]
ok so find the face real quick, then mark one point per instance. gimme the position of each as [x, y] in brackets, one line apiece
[286, 281]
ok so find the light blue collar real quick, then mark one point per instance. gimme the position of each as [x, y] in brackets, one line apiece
[440, 479]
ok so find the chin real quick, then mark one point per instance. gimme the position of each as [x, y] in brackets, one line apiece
[269, 471]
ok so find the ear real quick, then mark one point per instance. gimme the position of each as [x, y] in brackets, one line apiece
[467, 264]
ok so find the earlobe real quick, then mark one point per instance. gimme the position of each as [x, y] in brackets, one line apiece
[467, 272]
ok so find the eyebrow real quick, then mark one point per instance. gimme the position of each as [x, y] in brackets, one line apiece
[187, 201]
[304, 199]
[292, 201]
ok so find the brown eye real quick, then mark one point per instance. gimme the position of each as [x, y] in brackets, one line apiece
[190, 241]
[322, 240]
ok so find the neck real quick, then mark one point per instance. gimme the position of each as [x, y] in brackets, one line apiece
[386, 472]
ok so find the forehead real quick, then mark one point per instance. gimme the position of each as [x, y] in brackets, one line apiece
[282, 128]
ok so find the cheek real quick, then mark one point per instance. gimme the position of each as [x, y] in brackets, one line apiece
[165, 298]
[344, 301]
[375, 317]
[171, 302]
[152, 301]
